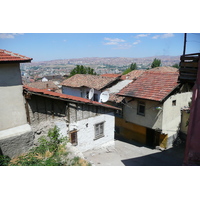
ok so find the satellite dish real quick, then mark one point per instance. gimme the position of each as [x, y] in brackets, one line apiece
[91, 93]
[104, 96]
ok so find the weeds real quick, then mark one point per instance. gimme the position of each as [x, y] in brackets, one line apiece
[51, 151]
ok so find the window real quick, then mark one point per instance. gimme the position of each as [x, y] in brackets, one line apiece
[141, 108]
[87, 95]
[73, 137]
[95, 97]
[174, 103]
[99, 130]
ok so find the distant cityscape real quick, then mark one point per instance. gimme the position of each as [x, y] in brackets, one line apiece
[36, 70]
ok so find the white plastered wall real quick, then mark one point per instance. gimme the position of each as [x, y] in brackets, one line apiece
[86, 132]
[172, 114]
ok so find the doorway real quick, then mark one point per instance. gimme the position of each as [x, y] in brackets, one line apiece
[152, 138]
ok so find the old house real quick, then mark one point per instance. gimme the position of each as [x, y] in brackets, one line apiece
[16, 136]
[152, 107]
[80, 84]
[88, 124]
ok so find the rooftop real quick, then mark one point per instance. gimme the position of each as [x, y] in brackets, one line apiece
[164, 69]
[152, 85]
[43, 85]
[65, 97]
[132, 75]
[8, 56]
[90, 81]
[111, 75]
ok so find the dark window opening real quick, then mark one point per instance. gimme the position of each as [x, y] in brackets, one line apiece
[141, 108]
[95, 97]
[174, 103]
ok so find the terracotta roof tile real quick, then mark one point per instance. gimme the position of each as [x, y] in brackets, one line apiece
[65, 96]
[43, 85]
[132, 75]
[8, 56]
[164, 69]
[111, 75]
[90, 81]
[152, 85]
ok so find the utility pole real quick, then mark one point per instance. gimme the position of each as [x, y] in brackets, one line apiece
[184, 48]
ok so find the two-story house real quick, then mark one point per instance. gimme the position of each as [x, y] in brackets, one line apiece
[152, 107]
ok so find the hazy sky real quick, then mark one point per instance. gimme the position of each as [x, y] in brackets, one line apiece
[50, 46]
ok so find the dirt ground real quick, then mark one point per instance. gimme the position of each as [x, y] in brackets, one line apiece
[126, 153]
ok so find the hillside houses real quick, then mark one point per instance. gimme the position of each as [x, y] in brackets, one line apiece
[27, 112]
[144, 106]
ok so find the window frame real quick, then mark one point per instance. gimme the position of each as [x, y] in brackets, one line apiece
[141, 103]
[73, 134]
[100, 128]
[174, 102]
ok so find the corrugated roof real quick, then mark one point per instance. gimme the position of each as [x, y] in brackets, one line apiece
[8, 56]
[60, 96]
[152, 85]
[87, 80]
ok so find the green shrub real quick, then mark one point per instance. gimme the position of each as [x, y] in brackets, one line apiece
[51, 151]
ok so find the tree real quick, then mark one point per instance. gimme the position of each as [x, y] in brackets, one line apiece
[176, 66]
[156, 63]
[132, 67]
[80, 69]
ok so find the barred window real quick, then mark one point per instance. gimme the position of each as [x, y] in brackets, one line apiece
[99, 130]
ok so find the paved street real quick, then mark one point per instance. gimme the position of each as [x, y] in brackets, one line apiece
[133, 154]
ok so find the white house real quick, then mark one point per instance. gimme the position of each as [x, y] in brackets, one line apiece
[80, 84]
[88, 124]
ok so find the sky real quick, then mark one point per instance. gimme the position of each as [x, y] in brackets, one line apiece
[51, 46]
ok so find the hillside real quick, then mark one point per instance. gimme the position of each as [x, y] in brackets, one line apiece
[98, 61]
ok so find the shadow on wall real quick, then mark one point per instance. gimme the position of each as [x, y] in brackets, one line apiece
[170, 157]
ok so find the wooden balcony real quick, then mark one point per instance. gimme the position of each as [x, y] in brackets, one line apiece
[188, 68]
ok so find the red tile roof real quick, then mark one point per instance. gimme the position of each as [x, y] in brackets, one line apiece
[43, 85]
[87, 80]
[65, 97]
[152, 85]
[8, 56]
[132, 75]
[111, 75]
[164, 69]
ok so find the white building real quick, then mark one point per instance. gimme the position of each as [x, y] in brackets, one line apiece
[88, 124]
[80, 84]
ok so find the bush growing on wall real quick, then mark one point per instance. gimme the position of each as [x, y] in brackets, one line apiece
[51, 151]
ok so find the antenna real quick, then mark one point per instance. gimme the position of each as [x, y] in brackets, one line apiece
[91, 93]
[104, 96]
